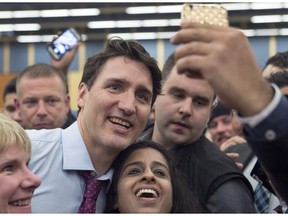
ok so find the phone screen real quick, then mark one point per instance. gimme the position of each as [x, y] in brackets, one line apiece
[64, 42]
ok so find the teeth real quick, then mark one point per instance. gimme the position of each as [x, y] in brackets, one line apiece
[20, 203]
[120, 122]
[147, 193]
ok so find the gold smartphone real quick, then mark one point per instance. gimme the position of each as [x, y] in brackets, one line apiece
[205, 14]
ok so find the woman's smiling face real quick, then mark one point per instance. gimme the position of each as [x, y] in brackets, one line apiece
[17, 181]
[145, 183]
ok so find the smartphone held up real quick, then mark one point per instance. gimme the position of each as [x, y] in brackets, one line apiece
[63, 43]
[205, 14]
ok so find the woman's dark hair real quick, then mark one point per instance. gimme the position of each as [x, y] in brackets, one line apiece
[184, 200]
[114, 47]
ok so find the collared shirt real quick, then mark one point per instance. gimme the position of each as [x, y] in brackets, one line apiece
[57, 156]
[269, 124]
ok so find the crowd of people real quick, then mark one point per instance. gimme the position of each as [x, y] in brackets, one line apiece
[106, 158]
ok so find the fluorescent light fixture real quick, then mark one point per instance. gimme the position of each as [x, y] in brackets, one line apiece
[169, 9]
[55, 13]
[29, 38]
[177, 8]
[266, 19]
[130, 23]
[49, 13]
[174, 22]
[133, 23]
[266, 5]
[20, 27]
[135, 36]
[141, 10]
[26, 13]
[155, 23]
[6, 27]
[101, 24]
[27, 27]
[267, 32]
[46, 38]
[283, 31]
[165, 35]
[236, 6]
[154, 9]
[143, 35]
[40, 38]
[84, 12]
[6, 14]
[284, 18]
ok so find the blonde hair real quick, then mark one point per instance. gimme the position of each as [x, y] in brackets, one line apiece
[11, 133]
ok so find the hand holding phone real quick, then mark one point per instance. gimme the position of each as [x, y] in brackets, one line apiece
[63, 43]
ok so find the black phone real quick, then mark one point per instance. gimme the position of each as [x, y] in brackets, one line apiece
[63, 43]
[258, 173]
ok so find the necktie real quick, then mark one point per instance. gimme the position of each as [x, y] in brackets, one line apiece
[262, 196]
[92, 189]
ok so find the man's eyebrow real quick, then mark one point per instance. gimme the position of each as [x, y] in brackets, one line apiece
[142, 88]
[178, 89]
[145, 89]
[117, 80]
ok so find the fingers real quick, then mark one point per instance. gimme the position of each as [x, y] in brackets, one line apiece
[240, 165]
[232, 141]
[235, 157]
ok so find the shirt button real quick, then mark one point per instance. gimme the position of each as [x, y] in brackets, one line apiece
[92, 173]
[270, 135]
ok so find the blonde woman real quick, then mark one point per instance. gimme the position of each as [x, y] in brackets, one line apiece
[17, 181]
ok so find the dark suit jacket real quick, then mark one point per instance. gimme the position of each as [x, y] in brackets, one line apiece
[273, 157]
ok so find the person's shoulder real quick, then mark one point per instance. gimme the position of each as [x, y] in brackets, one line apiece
[43, 135]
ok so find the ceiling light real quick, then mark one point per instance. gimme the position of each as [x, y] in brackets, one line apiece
[133, 23]
[134, 36]
[6, 14]
[101, 24]
[126, 23]
[141, 10]
[27, 27]
[170, 9]
[84, 12]
[155, 23]
[283, 31]
[266, 19]
[29, 38]
[266, 5]
[267, 32]
[236, 6]
[6, 27]
[54, 13]
[26, 13]
[20, 27]
[154, 9]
